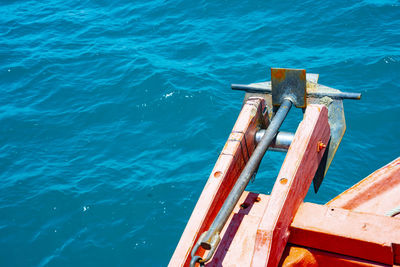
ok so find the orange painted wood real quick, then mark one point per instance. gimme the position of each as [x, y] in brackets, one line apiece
[378, 193]
[239, 233]
[291, 186]
[363, 235]
[227, 169]
[300, 256]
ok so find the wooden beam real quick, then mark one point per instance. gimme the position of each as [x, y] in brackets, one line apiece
[377, 193]
[366, 236]
[238, 235]
[291, 186]
[303, 256]
[227, 169]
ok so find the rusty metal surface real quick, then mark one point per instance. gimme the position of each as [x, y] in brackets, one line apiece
[315, 94]
[288, 83]
[336, 120]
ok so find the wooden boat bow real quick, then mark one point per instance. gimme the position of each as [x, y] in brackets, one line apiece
[280, 229]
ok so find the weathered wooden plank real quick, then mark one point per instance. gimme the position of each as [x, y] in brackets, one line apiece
[318, 236]
[375, 194]
[239, 233]
[366, 236]
[302, 256]
[378, 193]
[227, 169]
[291, 186]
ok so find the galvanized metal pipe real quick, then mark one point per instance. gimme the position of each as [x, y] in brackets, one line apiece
[280, 143]
[210, 239]
[263, 90]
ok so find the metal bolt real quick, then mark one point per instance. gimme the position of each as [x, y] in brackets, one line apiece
[320, 146]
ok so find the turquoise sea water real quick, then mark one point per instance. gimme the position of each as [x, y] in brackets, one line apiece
[113, 113]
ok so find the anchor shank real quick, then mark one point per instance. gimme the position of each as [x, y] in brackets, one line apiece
[246, 175]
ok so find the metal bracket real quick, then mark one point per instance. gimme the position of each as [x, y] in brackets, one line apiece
[304, 89]
[288, 83]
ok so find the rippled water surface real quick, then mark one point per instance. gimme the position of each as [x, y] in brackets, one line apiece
[112, 113]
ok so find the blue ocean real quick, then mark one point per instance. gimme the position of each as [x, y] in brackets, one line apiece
[113, 113]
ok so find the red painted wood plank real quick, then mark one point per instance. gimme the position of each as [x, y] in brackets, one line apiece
[239, 233]
[375, 194]
[301, 256]
[227, 169]
[291, 186]
[378, 193]
[366, 236]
